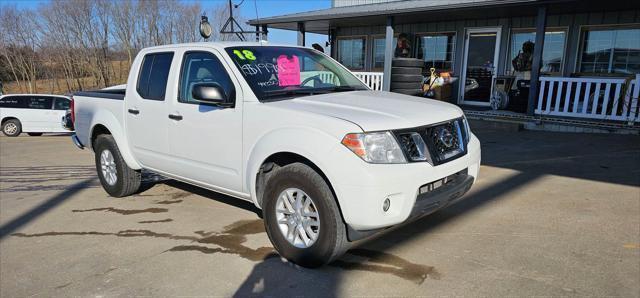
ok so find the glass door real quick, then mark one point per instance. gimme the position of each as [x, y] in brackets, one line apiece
[480, 65]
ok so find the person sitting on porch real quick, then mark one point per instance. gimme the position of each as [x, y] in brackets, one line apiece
[403, 47]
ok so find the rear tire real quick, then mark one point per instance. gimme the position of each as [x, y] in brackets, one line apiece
[400, 78]
[414, 92]
[34, 134]
[408, 62]
[331, 240]
[404, 85]
[406, 70]
[12, 128]
[117, 179]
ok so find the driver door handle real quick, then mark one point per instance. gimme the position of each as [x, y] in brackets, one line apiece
[175, 117]
[134, 111]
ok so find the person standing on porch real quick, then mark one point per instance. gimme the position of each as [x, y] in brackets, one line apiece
[522, 63]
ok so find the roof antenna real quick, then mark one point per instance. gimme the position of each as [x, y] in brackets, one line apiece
[231, 22]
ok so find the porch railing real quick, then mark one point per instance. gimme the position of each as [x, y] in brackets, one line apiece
[372, 79]
[593, 98]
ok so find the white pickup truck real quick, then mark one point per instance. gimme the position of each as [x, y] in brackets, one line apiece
[326, 159]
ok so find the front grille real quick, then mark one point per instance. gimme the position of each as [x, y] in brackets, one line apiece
[409, 145]
[436, 144]
[414, 146]
[445, 141]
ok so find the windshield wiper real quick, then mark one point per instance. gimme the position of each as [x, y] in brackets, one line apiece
[290, 92]
[345, 88]
[311, 91]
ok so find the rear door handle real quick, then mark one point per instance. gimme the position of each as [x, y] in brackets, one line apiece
[175, 117]
[133, 111]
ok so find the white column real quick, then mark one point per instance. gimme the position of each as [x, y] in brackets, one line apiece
[388, 55]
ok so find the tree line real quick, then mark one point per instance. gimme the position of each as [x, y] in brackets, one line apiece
[73, 45]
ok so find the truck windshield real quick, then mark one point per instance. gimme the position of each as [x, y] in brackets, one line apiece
[276, 73]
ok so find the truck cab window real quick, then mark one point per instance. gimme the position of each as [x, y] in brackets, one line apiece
[152, 81]
[202, 67]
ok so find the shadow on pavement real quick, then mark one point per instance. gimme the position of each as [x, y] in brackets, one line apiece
[275, 277]
[606, 158]
[47, 205]
[235, 202]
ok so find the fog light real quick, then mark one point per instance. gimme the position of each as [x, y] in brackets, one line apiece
[386, 205]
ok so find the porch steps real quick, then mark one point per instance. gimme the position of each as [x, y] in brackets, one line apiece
[510, 121]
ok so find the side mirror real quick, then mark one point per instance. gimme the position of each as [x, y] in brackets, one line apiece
[211, 93]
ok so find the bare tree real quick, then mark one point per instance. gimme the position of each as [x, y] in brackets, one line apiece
[19, 28]
[124, 26]
[78, 44]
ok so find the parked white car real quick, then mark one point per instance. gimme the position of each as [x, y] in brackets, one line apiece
[326, 159]
[32, 113]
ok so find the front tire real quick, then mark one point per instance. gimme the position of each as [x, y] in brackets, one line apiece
[302, 217]
[117, 179]
[12, 128]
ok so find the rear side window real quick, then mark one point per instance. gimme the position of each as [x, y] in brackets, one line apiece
[154, 73]
[40, 102]
[61, 104]
[13, 102]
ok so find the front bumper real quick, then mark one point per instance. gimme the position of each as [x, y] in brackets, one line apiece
[442, 196]
[362, 188]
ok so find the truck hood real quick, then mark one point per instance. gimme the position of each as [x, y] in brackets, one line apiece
[375, 110]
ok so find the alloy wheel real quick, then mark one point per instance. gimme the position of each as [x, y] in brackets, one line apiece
[297, 217]
[108, 167]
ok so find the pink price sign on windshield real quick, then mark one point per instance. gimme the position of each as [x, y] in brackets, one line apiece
[288, 70]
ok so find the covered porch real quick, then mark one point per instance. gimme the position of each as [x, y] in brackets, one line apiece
[476, 42]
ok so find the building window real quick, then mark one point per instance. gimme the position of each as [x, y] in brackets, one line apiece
[378, 52]
[610, 51]
[351, 53]
[552, 53]
[437, 50]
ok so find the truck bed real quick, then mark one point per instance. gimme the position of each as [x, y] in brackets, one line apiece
[104, 93]
[108, 105]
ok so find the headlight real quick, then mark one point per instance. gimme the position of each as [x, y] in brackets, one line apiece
[375, 147]
[467, 129]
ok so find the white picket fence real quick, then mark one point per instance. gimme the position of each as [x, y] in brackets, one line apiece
[593, 98]
[325, 76]
[371, 79]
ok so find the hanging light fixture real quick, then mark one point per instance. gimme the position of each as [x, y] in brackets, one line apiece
[205, 27]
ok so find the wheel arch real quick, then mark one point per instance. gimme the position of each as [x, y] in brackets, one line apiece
[123, 146]
[310, 145]
[281, 159]
[284, 158]
[7, 118]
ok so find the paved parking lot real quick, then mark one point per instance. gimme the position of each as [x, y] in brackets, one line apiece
[552, 214]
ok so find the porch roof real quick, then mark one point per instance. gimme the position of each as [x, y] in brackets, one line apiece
[319, 21]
